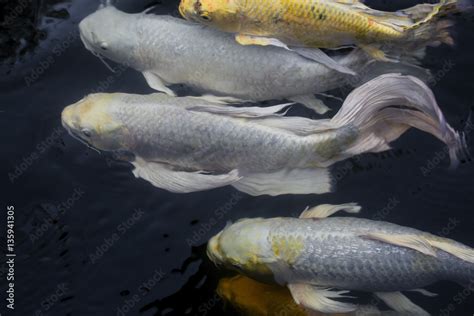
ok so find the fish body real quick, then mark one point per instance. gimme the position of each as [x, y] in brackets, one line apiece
[187, 144]
[344, 253]
[166, 129]
[324, 23]
[171, 51]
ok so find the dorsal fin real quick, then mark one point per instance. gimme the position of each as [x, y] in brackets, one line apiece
[326, 210]
[427, 244]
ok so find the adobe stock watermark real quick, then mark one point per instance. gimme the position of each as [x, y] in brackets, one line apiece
[207, 306]
[45, 64]
[51, 300]
[381, 214]
[104, 85]
[342, 171]
[199, 233]
[120, 230]
[55, 213]
[15, 12]
[442, 155]
[451, 225]
[41, 148]
[448, 65]
[458, 299]
[142, 290]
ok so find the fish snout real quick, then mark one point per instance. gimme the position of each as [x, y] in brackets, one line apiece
[186, 8]
[213, 250]
[68, 117]
[181, 9]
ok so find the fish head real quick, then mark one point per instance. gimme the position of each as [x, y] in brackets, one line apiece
[243, 246]
[92, 121]
[108, 33]
[222, 14]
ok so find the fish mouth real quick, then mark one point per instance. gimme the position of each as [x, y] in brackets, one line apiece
[79, 138]
[68, 126]
[192, 12]
[182, 11]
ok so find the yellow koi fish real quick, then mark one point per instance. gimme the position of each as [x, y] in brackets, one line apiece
[253, 298]
[331, 24]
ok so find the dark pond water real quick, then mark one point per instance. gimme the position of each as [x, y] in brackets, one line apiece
[70, 201]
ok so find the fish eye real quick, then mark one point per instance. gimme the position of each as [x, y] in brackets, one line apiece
[86, 132]
[205, 16]
[104, 46]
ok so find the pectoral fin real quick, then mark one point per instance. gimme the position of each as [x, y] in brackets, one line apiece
[293, 181]
[218, 99]
[155, 82]
[259, 40]
[414, 242]
[321, 57]
[461, 251]
[311, 102]
[314, 54]
[245, 112]
[326, 210]
[378, 54]
[298, 125]
[424, 292]
[320, 299]
[163, 177]
[401, 303]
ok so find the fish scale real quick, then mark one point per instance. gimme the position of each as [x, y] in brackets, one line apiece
[206, 141]
[212, 62]
[327, 257]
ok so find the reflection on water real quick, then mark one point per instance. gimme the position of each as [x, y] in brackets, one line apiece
[253, 298]
[54, 242]
[23, 25]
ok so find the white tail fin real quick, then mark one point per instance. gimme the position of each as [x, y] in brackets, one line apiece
[385, 107]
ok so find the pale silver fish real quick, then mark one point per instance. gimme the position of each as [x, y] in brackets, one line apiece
[189, 144]
[320, 259]
[170, 51]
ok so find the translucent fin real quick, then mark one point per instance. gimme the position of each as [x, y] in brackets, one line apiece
[414, 242]
[163, 177]
[424, 292]
[376, 68]
[298, 125]
[311, 102]
[321, 57]
[219, 99]
[461, 251]
[385, 107]
[401, 303]
[259, 40]
[294, 181]
[314, 54]
[376, 53]
[245, 112]
[326, 210]
[369, 310]
[320, 299]
[156, 83]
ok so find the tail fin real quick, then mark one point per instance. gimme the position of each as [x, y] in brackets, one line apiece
[385, 107]
[429, 27]
[424, 25]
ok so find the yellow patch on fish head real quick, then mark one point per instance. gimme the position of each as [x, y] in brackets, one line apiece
[222, 14]
[287, 248]
[242, 246]
[91, 121]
